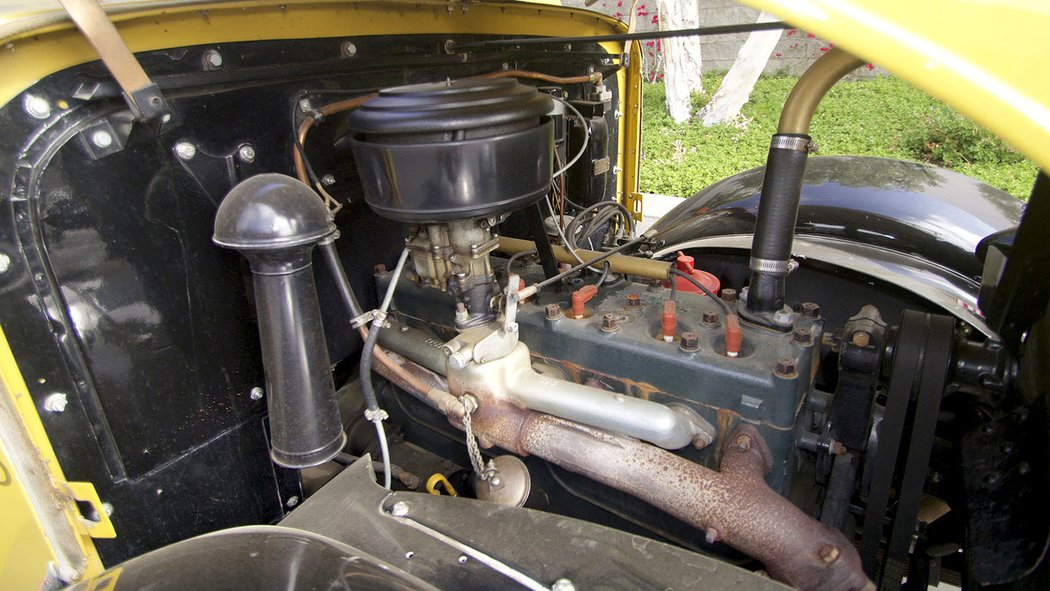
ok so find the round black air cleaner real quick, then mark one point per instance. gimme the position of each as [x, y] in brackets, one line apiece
[453, 150]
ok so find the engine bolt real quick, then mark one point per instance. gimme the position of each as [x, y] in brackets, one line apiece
[728, 295]
[810, 310]
[212, 59]
[610, 323]
[690, 341]
[634, 301]
[712, 535]
[553, 311]
[256, 393]
[102, 139]
[711, 318]
[801, 336]
[829, 554]
[861, 339]
[743, 443]
[785, 367]
[56, 403]
[400, 509]
[246, 153]
[185, 150]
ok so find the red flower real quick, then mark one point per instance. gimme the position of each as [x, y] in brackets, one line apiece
[619, 4]
[618, 14]
[658, 45]
[777, 54]
[656, 18]
[650, 43]
[810, 36]
[825, 49]
[870, 66]
[792, 32]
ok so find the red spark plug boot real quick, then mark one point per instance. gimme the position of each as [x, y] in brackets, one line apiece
[734, 336]
[580, 297]
[669, 321]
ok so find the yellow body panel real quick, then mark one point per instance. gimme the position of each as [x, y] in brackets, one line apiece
[987, 59]
[25, 546]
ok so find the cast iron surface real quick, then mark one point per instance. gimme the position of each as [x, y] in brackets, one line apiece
[544, 546]
[116, 296]
[918, 209]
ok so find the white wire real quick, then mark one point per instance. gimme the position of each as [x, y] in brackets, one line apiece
[586, 138]
[378, 417]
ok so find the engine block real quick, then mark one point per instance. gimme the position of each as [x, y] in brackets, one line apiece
[618, 345]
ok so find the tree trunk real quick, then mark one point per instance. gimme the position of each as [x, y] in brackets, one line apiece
[681, 57]
[737, 85]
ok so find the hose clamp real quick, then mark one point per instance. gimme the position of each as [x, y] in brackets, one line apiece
[792, 142]
[770, 266]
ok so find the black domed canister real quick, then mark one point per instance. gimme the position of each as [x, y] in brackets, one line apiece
[453, 150]
[276, 221]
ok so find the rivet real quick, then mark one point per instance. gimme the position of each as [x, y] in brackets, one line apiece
[185, 150]
[56, 403]
[246, 153]
[102, 139]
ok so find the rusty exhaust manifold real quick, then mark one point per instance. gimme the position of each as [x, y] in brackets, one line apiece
[734, 506]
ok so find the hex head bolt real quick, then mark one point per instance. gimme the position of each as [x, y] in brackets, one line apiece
[634, 301]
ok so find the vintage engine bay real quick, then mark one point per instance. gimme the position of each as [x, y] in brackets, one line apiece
[422, 250]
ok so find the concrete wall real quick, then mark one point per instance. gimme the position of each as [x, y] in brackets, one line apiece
[793, 54]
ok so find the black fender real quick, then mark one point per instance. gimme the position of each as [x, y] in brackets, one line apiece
[913, 225]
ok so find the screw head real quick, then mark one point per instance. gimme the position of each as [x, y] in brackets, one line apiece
[102, 139]
[553, 311]
[861, 339]
[610, 323]
[400, 509]
[185, 150]
[348, 49]
[292, 501]
[37, 106]
[212, 59]
[563, 585]
[785, 367]
[711, 318]
[829, 554]
[801, 336]
[743, 443]
[56, 403]
[634, 301]
[462, 559]
[256, 393]
[328, 180]
[246, 153]
[728, 295]
[690, 341]
[107, 508]
[783, 316]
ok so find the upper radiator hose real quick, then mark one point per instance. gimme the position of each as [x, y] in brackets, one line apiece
[782, 186]
[276, 221]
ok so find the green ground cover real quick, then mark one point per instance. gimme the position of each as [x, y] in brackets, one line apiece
[877, 117]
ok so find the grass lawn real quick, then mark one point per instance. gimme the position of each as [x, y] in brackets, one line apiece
[875, 117]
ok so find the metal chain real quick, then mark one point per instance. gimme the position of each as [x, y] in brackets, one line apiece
[478, 462]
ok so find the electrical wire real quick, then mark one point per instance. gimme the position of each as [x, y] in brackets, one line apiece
[585, 264]
[373, 412]
[586, 137]
[676, 273]
[518, 255]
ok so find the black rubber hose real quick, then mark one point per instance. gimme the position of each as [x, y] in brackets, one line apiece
[335, 266]
[777, 213]
[342, 282]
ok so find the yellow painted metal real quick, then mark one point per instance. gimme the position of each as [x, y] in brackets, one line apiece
[631, 134]
[27, 58]
[436, 479]
[986, 59]
[25, 549]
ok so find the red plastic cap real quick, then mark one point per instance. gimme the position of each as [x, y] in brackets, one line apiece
[686, 264]
[580, 297]
[734, 336]
[669, 321]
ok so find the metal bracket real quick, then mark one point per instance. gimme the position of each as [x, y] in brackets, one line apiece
[143, 96]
